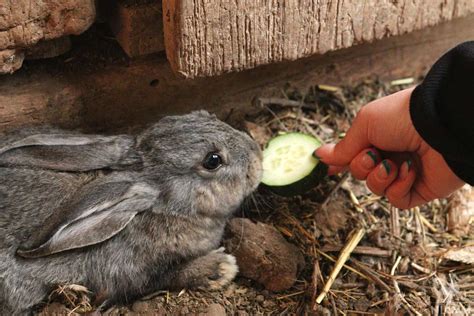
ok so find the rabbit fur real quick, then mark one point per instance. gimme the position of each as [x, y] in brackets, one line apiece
[122, 215]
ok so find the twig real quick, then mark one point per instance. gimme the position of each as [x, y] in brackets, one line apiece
[395, 221]
[361, 313]
[355, 202]
[283, 127]
[327, 87]
[395, 265]
[315, 281]
[289, 295]
[348, 267]
[345, 253]
[343, 179]
[427, 223]
[263, 102]
[397, 289]
[420, 268]
[333, 304]
[361, 250]
[372, 275]
[420, 228]
[402, 81]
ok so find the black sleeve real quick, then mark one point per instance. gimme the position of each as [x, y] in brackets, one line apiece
[442, 109]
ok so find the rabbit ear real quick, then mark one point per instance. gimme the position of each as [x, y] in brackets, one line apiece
[70, 152]
[100, 213]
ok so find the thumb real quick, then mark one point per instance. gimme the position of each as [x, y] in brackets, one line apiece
[356, 140]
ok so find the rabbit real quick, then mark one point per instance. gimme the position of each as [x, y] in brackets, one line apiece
[123, 215]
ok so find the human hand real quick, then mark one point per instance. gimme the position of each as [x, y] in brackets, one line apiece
[383, 148]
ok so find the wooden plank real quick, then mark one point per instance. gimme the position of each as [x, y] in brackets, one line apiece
[113, 94]
[137, 26]
[208, 38]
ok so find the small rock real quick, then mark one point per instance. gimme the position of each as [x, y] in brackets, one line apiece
[263, 254]
[56, 309]
[268, 303]
[215, 310]
[260, 298]
[323, 311]
[141, 306]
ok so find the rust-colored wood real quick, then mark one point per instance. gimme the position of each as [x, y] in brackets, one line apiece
[208, 38]
[137, 25]
[122, 93]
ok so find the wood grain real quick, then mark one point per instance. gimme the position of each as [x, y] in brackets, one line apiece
[111, 95]
[207, 37]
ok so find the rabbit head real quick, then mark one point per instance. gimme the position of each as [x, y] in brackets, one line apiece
[201, 163]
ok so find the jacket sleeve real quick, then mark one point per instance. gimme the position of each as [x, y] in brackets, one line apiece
[442, 109]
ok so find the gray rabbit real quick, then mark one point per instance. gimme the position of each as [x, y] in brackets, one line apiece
[122, 215]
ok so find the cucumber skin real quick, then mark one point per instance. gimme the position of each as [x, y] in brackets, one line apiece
[301, 186]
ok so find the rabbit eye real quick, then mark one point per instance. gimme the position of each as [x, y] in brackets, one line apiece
[212, 161]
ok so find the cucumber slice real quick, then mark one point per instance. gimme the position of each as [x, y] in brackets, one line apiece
[289, 167]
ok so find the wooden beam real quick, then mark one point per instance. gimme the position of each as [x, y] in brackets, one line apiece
[113, 94]
[137, 25]
[208, 38]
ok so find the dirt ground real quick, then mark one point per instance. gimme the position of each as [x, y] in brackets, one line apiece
[416, 261]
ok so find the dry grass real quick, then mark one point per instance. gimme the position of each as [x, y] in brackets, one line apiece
[399, 265]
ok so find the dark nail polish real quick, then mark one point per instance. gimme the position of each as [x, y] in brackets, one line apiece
[373, 156]
[409, 163]
[386, 165]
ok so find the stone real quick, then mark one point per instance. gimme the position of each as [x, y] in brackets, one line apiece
[215, 310]
[23, 23]
[263, 254]
[141, 306]
[49, 48]
[10, 60]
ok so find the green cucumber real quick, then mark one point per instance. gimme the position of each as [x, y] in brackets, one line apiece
[289, 167]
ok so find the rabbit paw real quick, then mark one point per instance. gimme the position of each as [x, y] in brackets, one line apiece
[225, 269]
[211, 272]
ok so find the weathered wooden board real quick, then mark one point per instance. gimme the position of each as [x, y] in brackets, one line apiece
[114, 94]
[208, 37]
[137, 25]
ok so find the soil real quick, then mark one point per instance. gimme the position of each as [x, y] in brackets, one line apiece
[399, 266]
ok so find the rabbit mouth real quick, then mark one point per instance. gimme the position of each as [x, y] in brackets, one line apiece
[254, 173]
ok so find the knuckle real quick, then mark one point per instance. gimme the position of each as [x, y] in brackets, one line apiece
[362, 113]
[373, 188]
[395, 199]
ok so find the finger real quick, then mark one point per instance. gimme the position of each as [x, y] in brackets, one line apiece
[356, 140]
[364, 163]
[382, 176]
[399, 192]
[335, 170]
[414, 199]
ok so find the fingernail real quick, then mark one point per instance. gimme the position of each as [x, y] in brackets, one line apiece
[369, 160]
[405, 169]
[384, 171]
[372, 155]
[315, 155]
